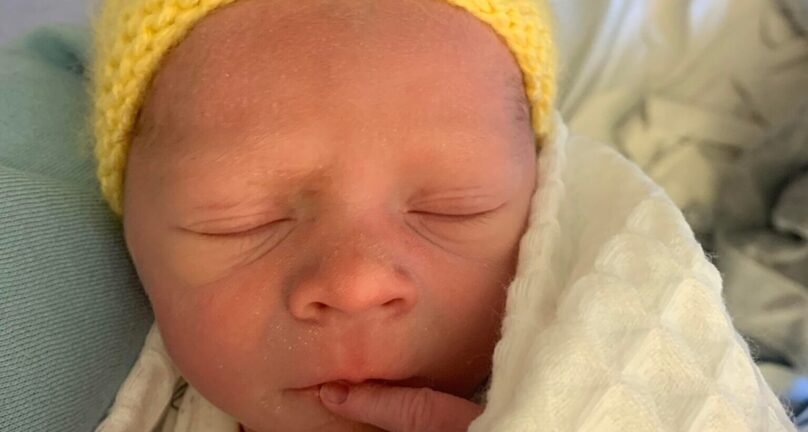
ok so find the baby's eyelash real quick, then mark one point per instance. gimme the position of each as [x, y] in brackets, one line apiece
[240, 233]
[462, 219]
[473, 218]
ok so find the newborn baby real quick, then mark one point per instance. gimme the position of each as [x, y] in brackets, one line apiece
[330, 192]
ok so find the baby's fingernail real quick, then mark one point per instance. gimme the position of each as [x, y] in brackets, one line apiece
[334, 393]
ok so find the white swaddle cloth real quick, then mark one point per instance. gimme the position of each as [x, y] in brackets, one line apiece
[614, 322]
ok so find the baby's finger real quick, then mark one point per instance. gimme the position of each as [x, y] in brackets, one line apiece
[402, 409]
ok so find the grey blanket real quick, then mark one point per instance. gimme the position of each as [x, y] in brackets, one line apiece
[762, 249]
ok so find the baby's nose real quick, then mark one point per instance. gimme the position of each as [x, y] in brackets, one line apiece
[353, 282]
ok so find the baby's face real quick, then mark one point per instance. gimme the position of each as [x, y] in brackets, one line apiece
[322, 191]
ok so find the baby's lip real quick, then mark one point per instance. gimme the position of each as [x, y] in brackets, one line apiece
[413, 382]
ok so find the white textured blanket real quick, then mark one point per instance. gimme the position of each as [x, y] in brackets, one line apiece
[614, 322]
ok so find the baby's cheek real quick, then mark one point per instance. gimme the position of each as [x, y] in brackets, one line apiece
[196, 260]
[215, 333]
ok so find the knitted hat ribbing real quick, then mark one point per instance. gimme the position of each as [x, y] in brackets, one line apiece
[131, 37]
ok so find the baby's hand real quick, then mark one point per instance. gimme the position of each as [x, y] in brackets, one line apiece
[403, 409]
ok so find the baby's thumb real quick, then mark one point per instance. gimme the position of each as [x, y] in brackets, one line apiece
[400, 409]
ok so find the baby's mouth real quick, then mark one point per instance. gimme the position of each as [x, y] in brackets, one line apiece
[413, 382]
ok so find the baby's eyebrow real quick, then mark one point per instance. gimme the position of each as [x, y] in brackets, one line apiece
[217, 205]
[310, 177]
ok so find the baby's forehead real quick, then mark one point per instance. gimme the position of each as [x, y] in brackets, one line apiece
[249, 52]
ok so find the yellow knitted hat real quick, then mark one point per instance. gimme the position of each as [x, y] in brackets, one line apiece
[131, 37]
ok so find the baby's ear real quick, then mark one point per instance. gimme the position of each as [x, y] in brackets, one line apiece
[522, 117]
[144, 128]
[518, 96]
[140, 129]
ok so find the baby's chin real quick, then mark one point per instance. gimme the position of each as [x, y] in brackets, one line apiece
[300, 410]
